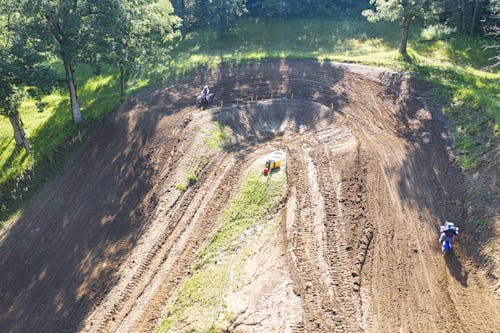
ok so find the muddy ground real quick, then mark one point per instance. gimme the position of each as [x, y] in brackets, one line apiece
[370, 177]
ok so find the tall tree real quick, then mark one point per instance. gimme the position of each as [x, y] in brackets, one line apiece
[493, 30]
[138, 32]
[21, 72]
[222, 11]
[404, 11]
[268, 8]
[190, 13]
[69, 31]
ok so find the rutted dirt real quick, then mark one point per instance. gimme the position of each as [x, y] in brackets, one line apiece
[370, 176]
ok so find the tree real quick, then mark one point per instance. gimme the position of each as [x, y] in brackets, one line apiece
[138, 31]
[494, 32]
[222, 11]
[21, 73]
[68, 31]
[10, 100]
[404, 11]
[186, 11]
[267, 8]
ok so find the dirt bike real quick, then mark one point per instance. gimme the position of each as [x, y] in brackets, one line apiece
[446, 246]
[202, 101]
[447, 240]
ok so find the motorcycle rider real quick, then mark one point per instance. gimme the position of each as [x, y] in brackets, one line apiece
[448, 232]
[206, 93]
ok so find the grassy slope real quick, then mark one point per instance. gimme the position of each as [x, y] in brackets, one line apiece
[452, 64]
[247, 223]
[52, 135]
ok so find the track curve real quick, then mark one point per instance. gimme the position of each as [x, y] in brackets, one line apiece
[370, 175]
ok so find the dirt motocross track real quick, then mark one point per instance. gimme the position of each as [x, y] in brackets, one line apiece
[370, 176]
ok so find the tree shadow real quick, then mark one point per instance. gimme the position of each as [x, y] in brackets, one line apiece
[63, 252]
[283, 82]
[431, 180]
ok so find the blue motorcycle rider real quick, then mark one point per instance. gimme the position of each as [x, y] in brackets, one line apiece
[448, 232]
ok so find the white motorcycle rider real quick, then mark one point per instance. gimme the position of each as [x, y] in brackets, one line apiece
[206, 97]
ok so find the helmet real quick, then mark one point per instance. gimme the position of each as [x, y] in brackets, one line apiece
[205, 87]
[449, 225]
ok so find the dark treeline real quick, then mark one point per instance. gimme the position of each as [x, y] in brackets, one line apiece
[463, 16]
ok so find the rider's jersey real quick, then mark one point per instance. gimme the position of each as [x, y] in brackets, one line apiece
[450, 232]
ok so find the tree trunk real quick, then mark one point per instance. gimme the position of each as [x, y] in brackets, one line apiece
[222, 26]
[474, 17]
[19, 134]
[204, 12]
[183, 17]
[122, 81]
[404, 34]
[464, 15]
[75, 107]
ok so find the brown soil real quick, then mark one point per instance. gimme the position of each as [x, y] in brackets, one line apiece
[370, 177]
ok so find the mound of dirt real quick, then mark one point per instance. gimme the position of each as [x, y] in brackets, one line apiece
[370, 177]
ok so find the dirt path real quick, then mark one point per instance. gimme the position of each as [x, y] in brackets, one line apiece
[370, 176]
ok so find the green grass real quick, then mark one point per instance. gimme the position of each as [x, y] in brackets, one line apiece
[180, 187]
[52, 135]
[219, 138]
[452, 63]
[192, 176]
[246, 224]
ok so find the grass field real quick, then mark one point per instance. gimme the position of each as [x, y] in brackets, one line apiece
[452, 63]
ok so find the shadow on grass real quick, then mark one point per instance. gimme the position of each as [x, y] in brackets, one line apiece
[56, 140]
[464, 50]
[289, 38]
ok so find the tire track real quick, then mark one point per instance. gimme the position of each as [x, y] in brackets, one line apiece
[319, 313]
[337, 247]
[150, 263]
[177, 268]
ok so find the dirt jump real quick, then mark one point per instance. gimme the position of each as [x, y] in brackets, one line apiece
[370, 176]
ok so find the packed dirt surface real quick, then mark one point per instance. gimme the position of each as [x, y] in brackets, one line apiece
[370, 177]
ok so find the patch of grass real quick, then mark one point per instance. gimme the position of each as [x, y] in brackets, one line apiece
[219, 138]
[192, 176]
[180, 187]
[246, 224]
[480, 224]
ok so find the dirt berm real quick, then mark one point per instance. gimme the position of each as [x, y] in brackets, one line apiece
[370, 177]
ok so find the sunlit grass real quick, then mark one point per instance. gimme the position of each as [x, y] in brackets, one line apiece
[97, 82]
[48, 131]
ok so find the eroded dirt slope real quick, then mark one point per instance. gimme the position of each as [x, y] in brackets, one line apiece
[370, 176]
